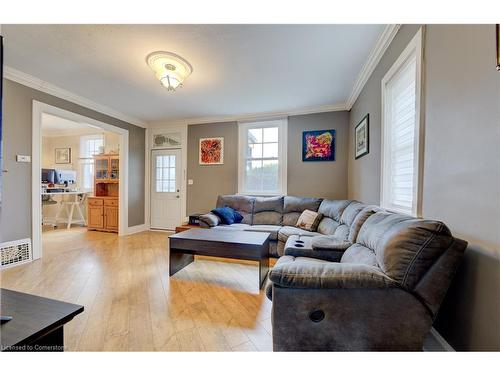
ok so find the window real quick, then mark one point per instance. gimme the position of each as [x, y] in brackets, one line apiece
[89, 146]
[165, 173]
[262, 160]
[401, 132]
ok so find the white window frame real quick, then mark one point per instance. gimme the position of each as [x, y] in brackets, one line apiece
[413, 48]
[86, 160]
[282, 125]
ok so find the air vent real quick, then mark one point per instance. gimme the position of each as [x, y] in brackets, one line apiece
[15, 253]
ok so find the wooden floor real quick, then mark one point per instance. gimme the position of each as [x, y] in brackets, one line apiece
[132, 304]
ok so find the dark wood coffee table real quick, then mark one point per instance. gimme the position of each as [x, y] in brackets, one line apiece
[234, 244]
[37, 323]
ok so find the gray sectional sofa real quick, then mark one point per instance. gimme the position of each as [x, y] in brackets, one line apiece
[367, 279]
[278, 216]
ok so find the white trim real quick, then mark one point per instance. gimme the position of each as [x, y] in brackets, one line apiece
[282, 125]
[414, 46]
[372, 61]
[251, 116]
[441, 341]
[38, 84]
[37, 110]
[137, 229]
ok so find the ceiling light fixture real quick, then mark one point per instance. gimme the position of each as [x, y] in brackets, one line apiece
[169, 68]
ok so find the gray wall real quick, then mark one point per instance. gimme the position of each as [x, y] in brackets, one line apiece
[314, 179]
[326, 179]
[16, 184]
[461, 167]
[211, 180]
[363, 182]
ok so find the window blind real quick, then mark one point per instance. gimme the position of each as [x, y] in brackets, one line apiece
[400, 127]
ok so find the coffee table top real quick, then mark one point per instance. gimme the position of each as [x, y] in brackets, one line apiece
[32, 316]
[222, 235]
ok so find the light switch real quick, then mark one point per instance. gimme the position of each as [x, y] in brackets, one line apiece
[190, 182]
[23, 158]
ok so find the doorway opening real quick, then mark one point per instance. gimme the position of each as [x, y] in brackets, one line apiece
[80, 175]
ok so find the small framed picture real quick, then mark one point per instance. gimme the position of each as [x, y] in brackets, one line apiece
[63, 155]
[211, 151]
[362, 137]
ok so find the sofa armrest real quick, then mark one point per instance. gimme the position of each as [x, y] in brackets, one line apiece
[329, 243]
[209, 220]
[292, 272]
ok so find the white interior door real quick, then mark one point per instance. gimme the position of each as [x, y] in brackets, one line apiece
[166, 189]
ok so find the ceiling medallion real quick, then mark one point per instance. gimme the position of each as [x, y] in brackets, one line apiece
[169, 68]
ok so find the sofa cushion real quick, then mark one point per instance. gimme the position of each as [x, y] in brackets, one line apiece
[405, 247]
[329, 243]
[309, 220]
[272, 229]
[288, 231]
[333, 208]
[332, 211]
[268, 210]
[360, 220]
[241, 203]
[359, 254]
[236, 226]
[302, 247]
[294, 206]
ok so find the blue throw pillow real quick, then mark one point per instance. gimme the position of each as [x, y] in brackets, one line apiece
[237, 217]
[226, 214]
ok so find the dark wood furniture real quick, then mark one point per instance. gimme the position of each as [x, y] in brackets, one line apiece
[183, 227]
[37, 323]
[219, 243]
[102, 209]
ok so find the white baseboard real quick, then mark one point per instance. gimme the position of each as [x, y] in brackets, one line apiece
[138, 228]
[445, 347]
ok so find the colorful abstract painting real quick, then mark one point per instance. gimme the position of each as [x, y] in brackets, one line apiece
[318, 145]
[211, 151]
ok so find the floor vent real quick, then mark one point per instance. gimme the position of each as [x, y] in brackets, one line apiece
[15, 253]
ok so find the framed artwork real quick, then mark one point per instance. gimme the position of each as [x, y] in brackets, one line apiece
[318, 145]
[362, 137]
[498, 47]
[63, 155]
[211, 151]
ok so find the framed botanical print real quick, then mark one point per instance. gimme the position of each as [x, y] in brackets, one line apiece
[63, 155]
[362, 137]
[211, 151]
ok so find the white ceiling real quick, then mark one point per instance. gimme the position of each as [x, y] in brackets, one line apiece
[238, 69]
[53, 126]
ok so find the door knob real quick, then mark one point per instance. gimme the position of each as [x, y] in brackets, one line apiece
[177, 196]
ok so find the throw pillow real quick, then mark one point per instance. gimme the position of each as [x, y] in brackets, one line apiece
[309, 220]
[226, 214]
[237, 217]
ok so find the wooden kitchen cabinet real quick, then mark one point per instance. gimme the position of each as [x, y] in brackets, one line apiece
[103, 212]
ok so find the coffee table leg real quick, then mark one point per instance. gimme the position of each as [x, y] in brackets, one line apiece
[178, 260]
[263, 270]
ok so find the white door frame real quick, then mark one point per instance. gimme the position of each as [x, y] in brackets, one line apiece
[181, 128]
[36, 168]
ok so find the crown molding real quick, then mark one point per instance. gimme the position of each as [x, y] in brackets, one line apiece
[38, 84]
[252, 116]
[372, 61]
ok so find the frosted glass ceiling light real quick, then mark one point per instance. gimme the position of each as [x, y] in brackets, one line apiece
[169, 68]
